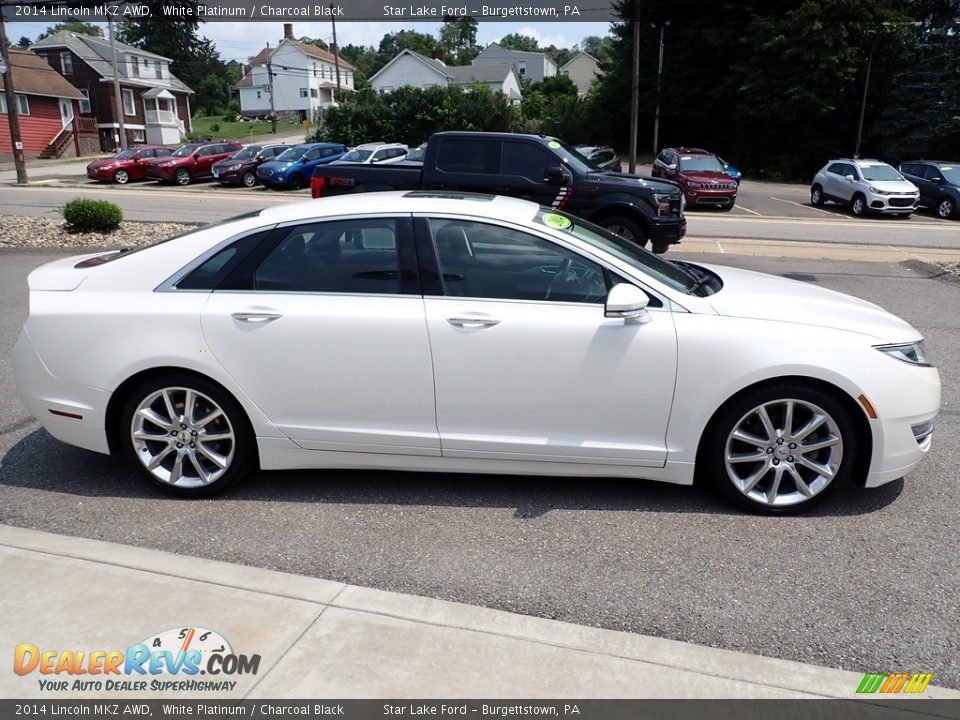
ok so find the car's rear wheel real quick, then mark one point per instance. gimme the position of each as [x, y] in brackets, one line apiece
[183, 176]
[187, 435]
[816, 196]
[295, 182]
[780, 449]
[626, 228]
[121, 177]
[946, 208]
[249, 178]
[858, 205]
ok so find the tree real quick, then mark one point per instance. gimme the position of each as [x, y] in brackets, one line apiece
[314, 41]
[72, 25]
[516, 41]
[23, 43]
[458, 38]
[392, 44]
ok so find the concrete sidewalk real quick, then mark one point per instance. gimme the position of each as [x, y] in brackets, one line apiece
[321, 639]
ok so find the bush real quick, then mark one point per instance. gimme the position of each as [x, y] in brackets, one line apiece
[88, 215]
[215, 127]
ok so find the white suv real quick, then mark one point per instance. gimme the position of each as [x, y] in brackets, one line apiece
[375, 152]
[866, 186]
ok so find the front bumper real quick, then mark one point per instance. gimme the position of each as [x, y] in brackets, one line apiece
[708, 197]
[667, 230]
[73, 414]
[155, 172]
[892, 204]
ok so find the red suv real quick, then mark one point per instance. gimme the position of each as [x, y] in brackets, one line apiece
[700, 174]
[190, 162]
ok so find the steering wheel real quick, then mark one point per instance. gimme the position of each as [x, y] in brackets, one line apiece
[558, 279]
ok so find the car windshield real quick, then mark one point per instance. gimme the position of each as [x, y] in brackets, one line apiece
[123, 154]
[879, 172]
[701, 163]
[291, 155]
[951, 173]
[248, 153]
[357, 155]
[573, 157]
[185, 151]
[666, 272]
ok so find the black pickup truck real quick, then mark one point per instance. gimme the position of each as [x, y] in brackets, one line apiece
[534, 167]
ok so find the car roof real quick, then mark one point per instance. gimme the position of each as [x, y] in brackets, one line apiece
[931, 162]
[400, 202]
[690, 151]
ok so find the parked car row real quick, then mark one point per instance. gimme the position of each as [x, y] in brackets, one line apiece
[872, 186]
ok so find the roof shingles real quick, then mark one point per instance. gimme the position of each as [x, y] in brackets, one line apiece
[33, 76]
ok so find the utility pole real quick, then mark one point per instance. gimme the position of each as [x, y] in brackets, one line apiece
[118, 96]
[863, 105]
[635, 87]
[656, 116]
[273, 109]
[336, 50]
[13, 112]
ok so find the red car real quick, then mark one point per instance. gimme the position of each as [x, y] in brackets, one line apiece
[126, 165]
[190, 162]
[701, 175]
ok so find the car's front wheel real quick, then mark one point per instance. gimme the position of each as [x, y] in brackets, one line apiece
[626, 228]
[946, 208]
[295, 182]
[780, 449]
[183, 176]
[121, 177]
[187, 435]
[858, 205]
[249, 179]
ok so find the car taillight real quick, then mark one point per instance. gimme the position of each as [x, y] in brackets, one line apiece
[316, 186]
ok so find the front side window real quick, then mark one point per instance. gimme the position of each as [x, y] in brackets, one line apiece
[478, 260]
[526, 160]
[344, 256]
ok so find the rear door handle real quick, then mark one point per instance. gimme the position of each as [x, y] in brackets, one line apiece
[256, 316]
[473, 322]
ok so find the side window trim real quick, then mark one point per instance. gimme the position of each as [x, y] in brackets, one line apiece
[170, 284]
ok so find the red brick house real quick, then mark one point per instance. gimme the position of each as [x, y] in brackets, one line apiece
[154, 102]
[48, 107]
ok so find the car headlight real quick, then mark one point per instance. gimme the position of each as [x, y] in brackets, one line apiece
[914, 353]
[235, 166]
[168, 163]
[663, 204]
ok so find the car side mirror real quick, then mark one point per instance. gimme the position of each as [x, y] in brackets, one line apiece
[628, 302]
[375, 160]
[672, 166]
[554, 174]
[936, 179]
[851, 178]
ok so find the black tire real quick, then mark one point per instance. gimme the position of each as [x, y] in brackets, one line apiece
[626, 227]
[726, 208]
[239, 452]
[816, 196]
[712, 467]
[659, 248]
[248, 179]
[182, 176]
[294, 182]
[858, 205]
[121, 177]
[946, 208]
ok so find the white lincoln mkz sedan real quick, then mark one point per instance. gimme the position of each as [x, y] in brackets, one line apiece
[469, 333]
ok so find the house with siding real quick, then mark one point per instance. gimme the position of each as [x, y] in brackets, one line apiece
[410, 68]
[535, 66]
[583, 69]
[47, 106]
[304, 80]
[155, 104]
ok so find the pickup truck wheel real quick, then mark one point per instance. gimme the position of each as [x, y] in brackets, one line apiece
[625, 228]
[660, 248]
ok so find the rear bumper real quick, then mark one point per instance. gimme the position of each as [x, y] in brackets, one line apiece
[73, 414]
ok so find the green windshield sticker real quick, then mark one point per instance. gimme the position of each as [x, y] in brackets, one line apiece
[557, 222]
[553, 144]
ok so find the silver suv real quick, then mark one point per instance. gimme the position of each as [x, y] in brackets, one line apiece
[374, 152]
[866, 186]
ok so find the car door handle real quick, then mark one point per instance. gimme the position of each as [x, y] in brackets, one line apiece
[473, 322]
[256, 316]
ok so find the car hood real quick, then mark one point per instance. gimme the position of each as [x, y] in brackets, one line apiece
[902, 186]
[628, 181]
[760, 296]
[707, 176]
[165, 158]
[108, 162]
[279, 166]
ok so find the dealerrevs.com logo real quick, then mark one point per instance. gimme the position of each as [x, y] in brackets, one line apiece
[172, 660]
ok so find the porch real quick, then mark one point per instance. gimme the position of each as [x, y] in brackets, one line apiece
[162, 123]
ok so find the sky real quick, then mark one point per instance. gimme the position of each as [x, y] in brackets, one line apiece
[240, 40]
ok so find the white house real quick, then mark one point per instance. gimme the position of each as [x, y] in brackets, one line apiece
[533, 65]
[411, 68]
[583, 69]
[304, 79]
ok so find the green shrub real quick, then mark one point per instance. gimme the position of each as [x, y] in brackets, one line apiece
[87, 215]
[215, 127]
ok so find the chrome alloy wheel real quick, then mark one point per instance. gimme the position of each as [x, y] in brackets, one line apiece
[182, 437]
[783, 452]
[622, 231]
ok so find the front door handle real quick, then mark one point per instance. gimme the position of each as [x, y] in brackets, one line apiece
[473, 322]
[256, 316]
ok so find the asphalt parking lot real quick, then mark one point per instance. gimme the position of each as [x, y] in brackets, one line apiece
[867, 583]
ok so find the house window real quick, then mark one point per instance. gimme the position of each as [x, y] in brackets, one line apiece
[522, 68]
[314, 69]
[85, 103]
[66, 63]
[314, 93]
[134, 67]
[23, 105]
[303, 92]
[128, 107]
[139, 136]
[157, 69]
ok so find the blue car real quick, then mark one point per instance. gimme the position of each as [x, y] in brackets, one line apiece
[730, 169]
[292, 168]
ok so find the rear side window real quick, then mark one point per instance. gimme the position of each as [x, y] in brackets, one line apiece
[464, 155]
[837, 169]
[218, 267]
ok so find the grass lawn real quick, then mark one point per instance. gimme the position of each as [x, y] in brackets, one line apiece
[236, 130]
